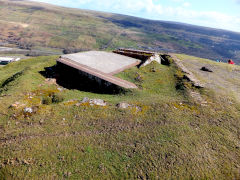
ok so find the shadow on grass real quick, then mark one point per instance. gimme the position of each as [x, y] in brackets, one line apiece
[71, 78]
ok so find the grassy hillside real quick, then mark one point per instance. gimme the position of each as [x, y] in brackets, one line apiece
[169, 135]
[48, 28]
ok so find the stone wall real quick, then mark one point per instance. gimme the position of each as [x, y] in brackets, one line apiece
[145, 56]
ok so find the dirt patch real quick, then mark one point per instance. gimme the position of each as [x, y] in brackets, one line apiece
[24, 25]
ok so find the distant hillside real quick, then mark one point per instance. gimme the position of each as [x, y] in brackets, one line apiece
[39, 26]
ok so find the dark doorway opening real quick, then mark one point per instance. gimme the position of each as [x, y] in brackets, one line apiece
[165, 59]
[71, 78]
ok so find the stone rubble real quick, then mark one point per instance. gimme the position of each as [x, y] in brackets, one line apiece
[28, 110]
[92, 102]
[189, 75]
[198, 98]
[123, 105]
[17, 105]
[97, 102]
[155, 57]
[85, 99]
[100, 102]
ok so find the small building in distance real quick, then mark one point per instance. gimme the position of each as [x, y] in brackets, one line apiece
[7, 60]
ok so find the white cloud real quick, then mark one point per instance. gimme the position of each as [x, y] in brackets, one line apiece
[177, 0]
[210, 18]
[186, 4]
[132, 6]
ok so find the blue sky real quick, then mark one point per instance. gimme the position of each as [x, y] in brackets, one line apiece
[224, 14]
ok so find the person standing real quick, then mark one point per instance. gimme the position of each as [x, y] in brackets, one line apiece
[231, 61]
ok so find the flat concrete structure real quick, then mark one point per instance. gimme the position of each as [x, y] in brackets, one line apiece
[102, 65]
[108, 63]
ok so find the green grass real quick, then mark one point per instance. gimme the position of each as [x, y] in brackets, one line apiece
[171, 39]
[170, 138]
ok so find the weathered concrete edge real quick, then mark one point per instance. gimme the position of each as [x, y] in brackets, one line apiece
[189, 75]
[101, 75]
[124, 68]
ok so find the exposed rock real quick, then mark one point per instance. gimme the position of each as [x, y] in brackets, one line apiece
[188, 74]
[60, 89]
[207, 69]
[17, 105]
[41, 121]
[85, 99]
[78, 104]
[92, 102]
[123, 105]
[28, 110]
[155, 57]
[50, 81]
[198, 98]
[97, 102]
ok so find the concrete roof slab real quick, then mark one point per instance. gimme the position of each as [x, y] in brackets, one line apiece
[102, 65]
[106, 62]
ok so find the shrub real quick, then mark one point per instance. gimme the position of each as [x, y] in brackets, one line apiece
[179, 75]
[47, 100]
[56, 98]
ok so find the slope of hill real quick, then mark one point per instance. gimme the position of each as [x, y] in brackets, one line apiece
[164, 135]
[224, 79]
[44, 27]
